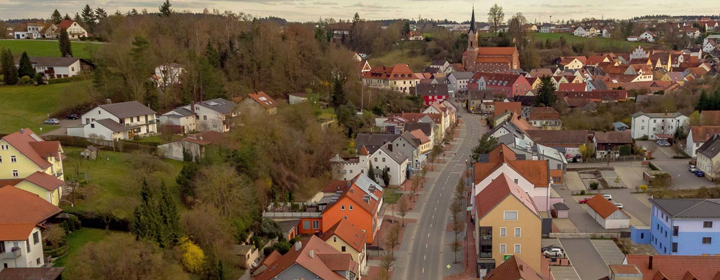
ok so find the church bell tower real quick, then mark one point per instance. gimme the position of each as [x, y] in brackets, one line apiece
[472, 32]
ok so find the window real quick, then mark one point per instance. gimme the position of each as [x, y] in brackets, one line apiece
[642, 235]
[502, 248]
[92, 125]
[517, 232]
[137, 118]
[342, 207]
[99, 112]
[15, 173]
[4, 147]
[342, 249]
[306, 225]
[334, 238]
[27, 245]
[517, 248]
[707, 240]
[205, 117]
[36, 237]
[0, 159]
[375, 159]
[676, 230]
[516, 181]
[503, 232]
[707, 224]
[511, 215]
[350, 207]
[13, 159]
[316, 224]
[674, 247]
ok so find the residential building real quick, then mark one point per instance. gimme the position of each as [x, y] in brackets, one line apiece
[612, 143]
[117, 121]
[28, 273]
[297, 98]
[508, 84]
[74, 29]
[545, 118]
[669, 267]
[348, 239]
[514, 268]
[259, 102]
[414, 145]
[168, 74]
[507, 224]
[361, 203]
[699, 135]
[567, 142]
[398, 78]
[214, 114]
[505, 107]
[22, 216]
[180, 119]
[476, 99]
[459, 81]
[606, 213]
[657, 125]
[390, 159]
[33, 31]
[707, 157]
[311, 258]
[431, 93]
[685, 226]
[624, 272]
[347, 168]
[46, 186]
[192, 146]
[374, 141]
[24, 153]
[55, 67]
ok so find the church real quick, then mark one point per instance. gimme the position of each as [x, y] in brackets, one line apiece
[488, 59]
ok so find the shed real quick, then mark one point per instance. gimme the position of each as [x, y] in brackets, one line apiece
[607, 214]
[560, 210]
[247, 253]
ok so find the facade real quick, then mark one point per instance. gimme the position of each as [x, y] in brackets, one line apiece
[699, 135]
[117, 121]
[168, 74]
[459, 81]
[651, 125]
[44, 185]
[607, 214]
[361, 203]
[311, 258]
[545, 118]
[398, 78]
[390, 159]
[348, 239]
[708, 160]
[507, 84]
[74, 30]
[24, 153]
[612, 143]
[431, 93]
[689, 227]
[181, 118]
[55, 67]
[194, 145]
[214, 114]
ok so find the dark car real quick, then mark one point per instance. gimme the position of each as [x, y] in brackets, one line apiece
[699, 173]
[72, 117]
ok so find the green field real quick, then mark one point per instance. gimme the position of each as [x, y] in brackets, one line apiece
[77, 240]
[116, 179]
[48, 47]
[29, 106]
[403, 53]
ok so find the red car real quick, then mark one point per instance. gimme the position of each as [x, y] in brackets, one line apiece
[584, 200]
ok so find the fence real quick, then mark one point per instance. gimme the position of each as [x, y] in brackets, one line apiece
[579, 234]
[620, 158]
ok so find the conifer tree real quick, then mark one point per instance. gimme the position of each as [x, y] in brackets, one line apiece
[145, 221]
[165, 9]
[25, 68]
[56, 17]
[9, 70]
[65, 45]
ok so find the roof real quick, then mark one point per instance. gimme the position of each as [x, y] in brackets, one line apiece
[181, 111]
[22, 207]
[112, 125]
[496, 51]
[22, 141]
[502, 107]
[347, 231]
[31, 273]
[701, 134]
[602, 206]
[206, 138]
[624, 269]
[514, 268]
[396, 72]
[571, 87]
[44, 180]
[544, 113]
[614, 137]
[364, 192]
[497, 191]
[420, 136]
[560, 206]
[535, 171]
[462, 75]
[65, 24]
[373, 141]
[314, 255]
[674, 267]
[220, 105]
[689, 207]
[711, 147]
[559, 138]
[15, 232]
[657, 115]
[426, 128]
[480, 95]
[127, 109]
[430, 89]
[263, 99]
[51, 61]
[708, 117]
[416, 117]
[395, 154]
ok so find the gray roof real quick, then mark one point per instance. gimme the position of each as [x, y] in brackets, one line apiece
[560, 206]
[182, 112]
[395, 154]
[424, 127]
[689, 207]
[711, 147]
[51, 61]
[220, 105]
[410, 138]
[127, 109]
[112, 125]
[462, 75]
[373, 141]
[430, 89]
[480, 95]
[657, 115]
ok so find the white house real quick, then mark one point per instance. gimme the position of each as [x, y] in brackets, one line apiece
[580, 31]
[709, 46]
[606, 213]
[117, 121]
[697, 136]
[651, 125]
[74, 30]
[392, 159]
[194, 145]
[180, 117]
[648, 36]
[32, 31]
[459, 81]
[168, 74]
[55, 67]
[214, 114]
[639, 53]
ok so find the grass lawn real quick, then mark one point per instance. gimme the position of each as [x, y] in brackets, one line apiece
[29, 106]
[391, 195]
[77, 240]
[48, 47]
[158, 139]
[328, 113]
[116, 179]
[402, 53]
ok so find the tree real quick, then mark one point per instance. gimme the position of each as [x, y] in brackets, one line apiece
[169, 218]
[435, 152]
[586, 151]
[403, 208]
[100, 13]
[387, 260]
[703, 102]
[416, 183]
[88, 17]
[393, 238]
[485, 145]
[25, 68]
[67, 17]
[56, 17]
[338, 95]
[546, 92]
[695, 119]
[193, 257]
[495, 17]
[165, 9]
[222, 187]
[9, 70]
[145, 220]
[386, 176]
[65, 45]
[457, 224]
[456, 246]
[371, 173]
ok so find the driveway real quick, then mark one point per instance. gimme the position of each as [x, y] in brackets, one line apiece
[577, 214]
[62, 128]
[631, 204]
[585, 258]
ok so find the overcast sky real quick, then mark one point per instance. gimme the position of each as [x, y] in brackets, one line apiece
[311, 10]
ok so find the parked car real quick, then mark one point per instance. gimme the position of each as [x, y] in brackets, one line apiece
[554, 252]
[692, 168]
[699, 173]
[608, 197]
[584, 200]
[52, 121]
[663, 143]
[618, 205]
[72, 117]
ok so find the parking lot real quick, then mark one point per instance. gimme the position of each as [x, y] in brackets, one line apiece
[677, 168]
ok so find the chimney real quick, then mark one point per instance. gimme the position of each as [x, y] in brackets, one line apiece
[22, 131]
[312, 254]
[520, 267]
[192, 106]
[650, 262]
[298, 246]
[390, 147]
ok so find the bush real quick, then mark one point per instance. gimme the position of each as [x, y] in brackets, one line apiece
[282, 247]
[192, 256]
[67, 80]
[582, 192]
[39, 79]
[25, 80]
[643, 188]
[594, 185]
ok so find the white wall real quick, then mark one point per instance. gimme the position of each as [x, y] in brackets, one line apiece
[398, 172]
[97, 114]
[26, 259]
[208, 120]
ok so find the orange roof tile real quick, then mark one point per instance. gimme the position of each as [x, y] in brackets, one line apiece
[347, 231]
[496, 192]
[502, 107]
[45, 181]
[571, 87]
[708, 117]
[602, 206]
[535, 171]
[420, 136]
[700, 134]
[674, 267]
[314, 255]
[544, 113]
[21, 207]
[21, 141]
[514, 268]
[15, 232]
[263, 99]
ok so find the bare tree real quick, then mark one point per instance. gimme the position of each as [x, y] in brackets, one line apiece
[404, 208]
[456, 246]
[392, 239]
[495, 17]
[415, 187]
[387, 260]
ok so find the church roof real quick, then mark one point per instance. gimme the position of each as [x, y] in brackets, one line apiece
[472, 22]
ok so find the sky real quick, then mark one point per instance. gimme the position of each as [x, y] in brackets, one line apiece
[312, 10]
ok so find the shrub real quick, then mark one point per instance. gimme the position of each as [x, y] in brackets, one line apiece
[282, 247]
[25, 80]
[55, 236]
[192, 256]
[582, 192]
[643, 188]
[594, 185]
[39, 79]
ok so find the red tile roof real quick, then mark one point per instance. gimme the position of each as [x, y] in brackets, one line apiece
[396, 72]
[22, 140]
[674, 267]
[44, 180]
[602, 206]
[613, 137]
[415, 117]
[514, 268]
[347, 231]
[418, 134]
[22, 207]
[535, 171]
[335, 186]
[496, 192]
[502, 107]
[544, 113]
[15, 232]
[263, 99]
[314, 255]
[65, 24]
[497, 50]
[206, 138]
[700, 134]
[571, 87]
[708, 117]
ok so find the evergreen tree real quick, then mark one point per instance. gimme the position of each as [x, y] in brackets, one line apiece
[386, 177]
[65, 45]
[145, 220]
[546, 92]
[25, 68]
[67, 17]
[56, 17]
[165, 9]
[100, 13]
[355, 32]
[212, 55]
[151, 96]
[169, 230]
[88, 17]
[371, 172]
[485, 145]
[703, 102]
[133, 12]
[9, 70]
[220, 271]
[77, 18]
[338, 95]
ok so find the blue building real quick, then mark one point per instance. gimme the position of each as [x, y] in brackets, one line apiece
[685, 226]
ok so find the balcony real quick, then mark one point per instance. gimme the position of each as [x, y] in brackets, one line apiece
[14, 253]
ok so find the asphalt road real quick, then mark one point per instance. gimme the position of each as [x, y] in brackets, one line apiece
[585, 258]
[428, 253]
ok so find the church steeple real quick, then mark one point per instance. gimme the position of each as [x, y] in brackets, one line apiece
[472, 21]
[472, 32]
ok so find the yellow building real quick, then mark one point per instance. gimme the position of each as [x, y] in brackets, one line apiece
[348, 239]
[507, 224]
[24, 153]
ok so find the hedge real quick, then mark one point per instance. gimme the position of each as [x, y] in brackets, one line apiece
[67, 80]
[97, 220]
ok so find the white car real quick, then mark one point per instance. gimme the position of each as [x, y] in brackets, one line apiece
[608, 197]
[554, 252]
[692, 168]
[618, 205]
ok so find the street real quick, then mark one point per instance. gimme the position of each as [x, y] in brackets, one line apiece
[428, 254]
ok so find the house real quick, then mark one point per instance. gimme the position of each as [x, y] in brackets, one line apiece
[22, 218]
[413, 144]
[347, 168]
[428, 129]
[248, 254]
[116, 121]
[699, 135]
[675, 267]
[508, 84]
[648, 36]
[503, 107]
[215, 114]
[614, 143]
[545, 117]
[32, 273]
[431, 92]
[657, 125]
[348, 239]
[374, 141]
[46, 186]
[571, 63]
[435, 119]
[311, 258]
[511, 127]
[572, 87]
[441, 65]
[192, 146]
[361, 203]
[545, 28]
[458, 81]
[74, 30]
[567, 142]
[180, 119]
[707, 157]
[606, 213]
[33, 31]
[390, 159]
[168, 74]
[476, 98]
[297, 98]
[258, 102]
[398, 78]
[491, 59]
[513, 268]
[378, 156]
[55, 67]
[685, 226]
[507, 223]
[580, 31]
[24, 153]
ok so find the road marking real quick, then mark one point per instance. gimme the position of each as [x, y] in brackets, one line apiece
[430, 225]
[424, 257]
[425, 246]
[428, 235]
[433, 217]
[423, 270]
[435, 208]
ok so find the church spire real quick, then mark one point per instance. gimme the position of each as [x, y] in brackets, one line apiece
[472, 21]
